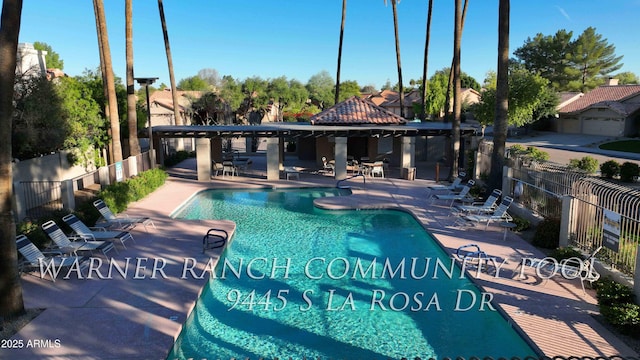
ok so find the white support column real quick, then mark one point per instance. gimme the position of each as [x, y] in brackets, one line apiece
[340, 147]
[507, 174]
[133, 166]
[408, 151]
[103, 175]
[565, 220]
[203, 159]
[68, 197]
[273, 158]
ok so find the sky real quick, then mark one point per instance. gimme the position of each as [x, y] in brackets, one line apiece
[299, 38]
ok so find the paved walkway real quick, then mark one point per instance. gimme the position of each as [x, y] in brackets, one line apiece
[139, 318]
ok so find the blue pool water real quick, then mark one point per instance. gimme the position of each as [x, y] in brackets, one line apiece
[317, 299]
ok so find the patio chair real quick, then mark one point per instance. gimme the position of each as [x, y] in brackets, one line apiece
[95, 233]
[216, 168]
[34, 259]
[463, 195]
[121, 222]
[64, 243]
[377, 169]
[229, 168]
[488, 206]
[327, 166]
[499, 214]
[454, 186]
[571, 268]
[471, 256]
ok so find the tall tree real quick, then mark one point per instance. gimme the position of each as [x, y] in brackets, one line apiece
[448, 106]
[457, 105]
[591, 59]
[108, 76]
[132, 119]
[344, 16]
[425, 82]
[321, 90]
[547, 55]
[502, 97]
[172, 78]
[11, 301]
[397, 38]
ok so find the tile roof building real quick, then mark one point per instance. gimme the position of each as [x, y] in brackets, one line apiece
[610, 110]
[356, 111]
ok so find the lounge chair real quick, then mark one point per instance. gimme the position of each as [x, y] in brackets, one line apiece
[377, 169]
[327, 166]
[463, 195]
[500, 214]
[488, 206]
[470, 256]
[35, 260]
[64, 243]
[95, 233]
[571, 268]
[454, 186]
[121, 222]
[216, 168]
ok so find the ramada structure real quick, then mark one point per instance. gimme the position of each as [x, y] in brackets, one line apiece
[355, 127]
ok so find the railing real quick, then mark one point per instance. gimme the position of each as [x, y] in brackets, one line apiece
[364, 180]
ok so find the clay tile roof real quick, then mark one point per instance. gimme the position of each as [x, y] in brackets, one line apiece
[603, 96]
[356, 111]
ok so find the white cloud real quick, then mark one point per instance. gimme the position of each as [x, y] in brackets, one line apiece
[564, 13]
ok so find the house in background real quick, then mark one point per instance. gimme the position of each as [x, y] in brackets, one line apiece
[161, 102]
[390, 100]
[29, 61]
[609, 110]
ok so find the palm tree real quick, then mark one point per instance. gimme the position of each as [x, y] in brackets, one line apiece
[132, 118]
[11, 301]
[395, 30]
[502, 96]
[457, 106]
[172, 79]
[109, 82]
[447, 101]
[425, 85]
[344, 15]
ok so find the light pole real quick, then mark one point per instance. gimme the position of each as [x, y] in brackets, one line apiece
[146, 82]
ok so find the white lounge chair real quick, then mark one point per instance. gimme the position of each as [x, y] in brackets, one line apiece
[571, 268]
[95, 233]
[121, 222]
[500, 214]
[35, 260]
[454, 186]
[488, 206]
[64, 243]
[461, 196]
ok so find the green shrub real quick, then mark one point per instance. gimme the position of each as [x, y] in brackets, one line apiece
[625, 317]
[118, 196]
[547, 234]
[610, 292]
[628, 171]
[586, 164]
[522, 224]
[610, 169]
[563, 253]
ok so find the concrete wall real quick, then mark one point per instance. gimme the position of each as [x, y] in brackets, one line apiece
[54, 167]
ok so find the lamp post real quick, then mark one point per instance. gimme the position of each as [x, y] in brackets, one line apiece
[146, 82]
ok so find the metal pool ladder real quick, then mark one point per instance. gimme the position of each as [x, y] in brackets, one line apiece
[215, 238]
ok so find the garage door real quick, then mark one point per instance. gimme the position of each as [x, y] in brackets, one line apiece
[604, 127]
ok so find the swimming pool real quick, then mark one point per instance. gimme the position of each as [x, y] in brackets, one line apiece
[299, 281]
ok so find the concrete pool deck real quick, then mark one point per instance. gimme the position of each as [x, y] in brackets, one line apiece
[139, 318]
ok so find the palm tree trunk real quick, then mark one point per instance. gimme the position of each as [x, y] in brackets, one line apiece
[502, 96]
[172, 79]
[132, 119]
[425, 85]
[344, 16]
[457, 106]
[447, 100]
[397, 36]
[104, 88]
[112, 100]
[11, 301]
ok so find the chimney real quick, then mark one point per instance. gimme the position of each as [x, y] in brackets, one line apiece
[612, 81]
